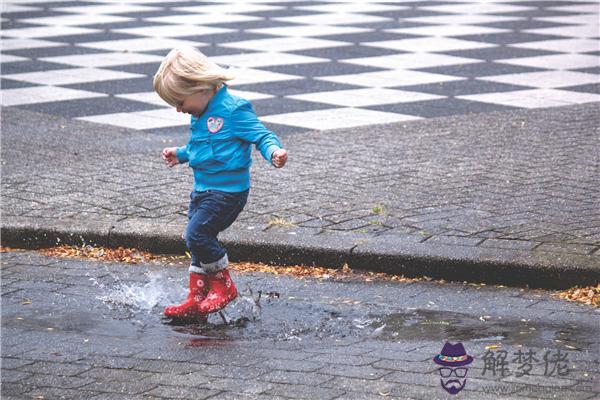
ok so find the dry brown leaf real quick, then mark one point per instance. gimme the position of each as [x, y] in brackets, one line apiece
[589, 295]
[134, 256]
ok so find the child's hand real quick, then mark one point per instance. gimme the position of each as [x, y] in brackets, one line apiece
[279, 158]
[169, 154]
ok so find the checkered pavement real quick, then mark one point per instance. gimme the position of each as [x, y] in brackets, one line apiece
[303, 64]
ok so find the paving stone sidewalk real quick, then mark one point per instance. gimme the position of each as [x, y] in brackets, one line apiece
[304, 65]
[510, 197]
[74, 329]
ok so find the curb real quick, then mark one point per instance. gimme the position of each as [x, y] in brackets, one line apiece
[397, 254]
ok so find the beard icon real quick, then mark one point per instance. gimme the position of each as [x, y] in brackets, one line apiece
[453, 386]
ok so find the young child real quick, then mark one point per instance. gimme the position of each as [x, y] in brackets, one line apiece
[223, 128]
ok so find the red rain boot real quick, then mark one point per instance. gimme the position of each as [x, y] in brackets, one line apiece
[189, 308]
[221, 292]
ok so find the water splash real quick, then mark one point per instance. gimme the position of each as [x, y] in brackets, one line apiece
[362, 323]
[245, 306]
[159, 291]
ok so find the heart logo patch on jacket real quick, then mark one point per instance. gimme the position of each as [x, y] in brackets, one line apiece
[214, 124]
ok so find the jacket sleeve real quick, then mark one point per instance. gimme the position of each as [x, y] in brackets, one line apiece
[247, 127]
[183, 154]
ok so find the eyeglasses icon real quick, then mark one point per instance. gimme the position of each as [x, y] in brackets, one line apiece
[447, 372]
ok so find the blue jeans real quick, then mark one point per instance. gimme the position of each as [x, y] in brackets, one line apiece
[211, 212]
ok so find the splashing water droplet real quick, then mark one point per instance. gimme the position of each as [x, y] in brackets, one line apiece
[243, 308]
[159, 291]
[362, 323]
[378, 331]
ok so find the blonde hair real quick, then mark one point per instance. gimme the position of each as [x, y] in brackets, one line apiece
[186, 71]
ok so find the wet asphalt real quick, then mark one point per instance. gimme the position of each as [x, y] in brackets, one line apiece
[75, 328]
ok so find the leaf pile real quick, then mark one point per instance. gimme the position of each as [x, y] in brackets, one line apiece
[4, 249]
[589, 295]
[300, 271]
[120, 254]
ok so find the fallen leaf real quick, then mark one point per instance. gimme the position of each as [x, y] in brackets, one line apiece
[589, 295]
[134, 256]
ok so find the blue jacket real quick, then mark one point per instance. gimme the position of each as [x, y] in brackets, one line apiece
[219, 149]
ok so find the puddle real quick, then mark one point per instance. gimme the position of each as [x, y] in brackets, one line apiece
[452, 326]
[265, 314]
[89, 323]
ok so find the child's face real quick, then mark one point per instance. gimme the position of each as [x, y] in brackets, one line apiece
[196, 103]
